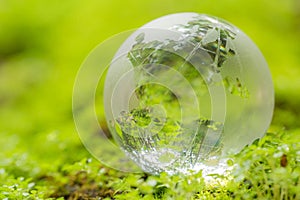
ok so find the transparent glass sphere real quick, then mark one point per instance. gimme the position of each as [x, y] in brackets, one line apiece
[184, 91]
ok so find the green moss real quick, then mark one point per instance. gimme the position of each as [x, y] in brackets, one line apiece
[41, 156]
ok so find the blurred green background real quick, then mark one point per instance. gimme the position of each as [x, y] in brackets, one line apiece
[43, 43]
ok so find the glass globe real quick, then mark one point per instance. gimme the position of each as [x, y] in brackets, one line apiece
[184, 91]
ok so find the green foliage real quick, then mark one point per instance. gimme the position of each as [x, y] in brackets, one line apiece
[21, 188]
[42, 44]
[267, 169]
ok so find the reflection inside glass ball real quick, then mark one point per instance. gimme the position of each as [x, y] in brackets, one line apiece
[184, 91]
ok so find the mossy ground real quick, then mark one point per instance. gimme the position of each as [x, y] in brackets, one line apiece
[42, 44]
